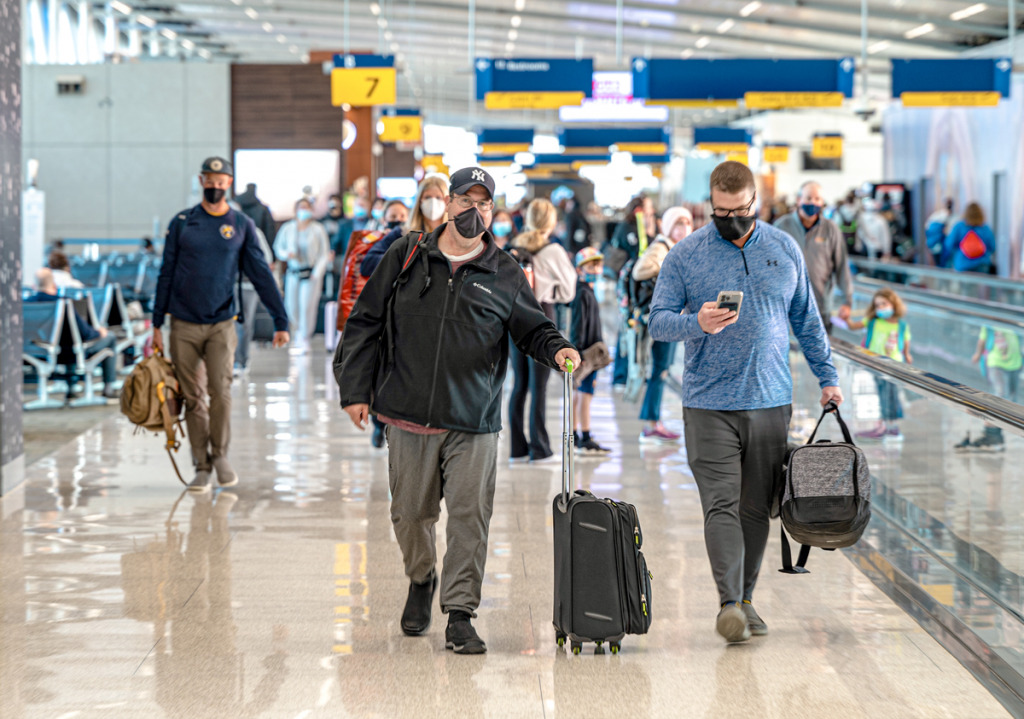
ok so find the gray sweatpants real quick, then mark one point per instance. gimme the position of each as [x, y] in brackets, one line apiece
[736, 458]
[460, 467]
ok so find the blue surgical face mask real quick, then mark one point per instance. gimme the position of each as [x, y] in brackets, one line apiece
[502, 229]
[302, 215]
[810, 210]
[883, 314]
[378, 214]
[591, 278]
[359, 212]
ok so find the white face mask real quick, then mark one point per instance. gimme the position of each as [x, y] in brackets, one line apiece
[432, 208]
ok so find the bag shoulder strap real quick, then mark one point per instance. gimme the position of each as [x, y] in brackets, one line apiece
[787, 556]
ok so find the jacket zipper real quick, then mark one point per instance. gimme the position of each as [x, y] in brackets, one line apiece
[437, 354]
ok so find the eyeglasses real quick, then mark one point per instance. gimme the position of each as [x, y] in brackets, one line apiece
[482, 205]
[738, 212]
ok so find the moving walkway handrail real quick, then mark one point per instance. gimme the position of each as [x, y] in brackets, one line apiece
[937, 273]
[956, 304]
[980, 404]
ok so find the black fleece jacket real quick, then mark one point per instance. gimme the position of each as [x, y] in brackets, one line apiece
[428, 347]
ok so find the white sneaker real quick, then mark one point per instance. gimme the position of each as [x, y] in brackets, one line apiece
[201, 483]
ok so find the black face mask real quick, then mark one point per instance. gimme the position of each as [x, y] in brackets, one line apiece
[733, 228]
[214, 195]
[394, 224]
[470, 223]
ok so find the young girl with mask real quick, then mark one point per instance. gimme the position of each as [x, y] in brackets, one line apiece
[889, 335]
[428, 213]
[502, 227]
[585, 332]
[302, 243]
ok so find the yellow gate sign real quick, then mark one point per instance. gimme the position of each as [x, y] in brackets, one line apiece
[827, 147]
[774, 154]
[363, 86]
[402, 128]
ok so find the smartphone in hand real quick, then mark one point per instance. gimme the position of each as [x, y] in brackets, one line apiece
[730, 301]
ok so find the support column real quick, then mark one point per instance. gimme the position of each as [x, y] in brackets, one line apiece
[11, 173]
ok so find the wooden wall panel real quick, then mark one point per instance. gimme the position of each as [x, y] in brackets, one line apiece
[283, 107]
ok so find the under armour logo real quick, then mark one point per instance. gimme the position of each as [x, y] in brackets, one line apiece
[773, 263]
[478, 175]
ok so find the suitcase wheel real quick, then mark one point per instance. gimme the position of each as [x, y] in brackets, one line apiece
[560, 639]
[616, 647]
[577, 647]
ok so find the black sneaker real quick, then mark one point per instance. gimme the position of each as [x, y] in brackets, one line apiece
[461, 637]
[416, 617]
[589, 446]
[989, 443]
[377, 440]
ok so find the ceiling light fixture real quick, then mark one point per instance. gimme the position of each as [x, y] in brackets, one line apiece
[919, 31]
[702, 42]
[375, 8]
[188, 44]
[169, 34]
[726, 26]
[879, 46]
[147, 21]
[687, 53]
[394, 47]
[267, 27]
[282, 39]
[750, 8]
[204, 53]
[520, 4]
[253, 15]
[516, 21]
[382, 23]
[120, 7]
[510, 46]
[389, 36]
[513, 35]
[968, 11]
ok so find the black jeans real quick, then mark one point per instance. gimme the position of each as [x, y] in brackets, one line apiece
[530, 378]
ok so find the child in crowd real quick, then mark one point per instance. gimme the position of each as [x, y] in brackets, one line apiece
[999, 357]
[889, 335]
[585, 332]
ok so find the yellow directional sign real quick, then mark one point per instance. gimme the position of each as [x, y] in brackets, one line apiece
[776, 154]
[493, 148]
[950, 99]
[434, 163]
[780, 100]
[403, 128]
[531, 100]
[693, 104]
[741, 157]
[363, 86]
[826, 147]
[643, 148]
[578, 164]
[723, 148]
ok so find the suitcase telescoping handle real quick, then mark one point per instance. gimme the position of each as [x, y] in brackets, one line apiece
[568, 438]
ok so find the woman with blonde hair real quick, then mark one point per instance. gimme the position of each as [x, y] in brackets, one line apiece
[429, 211]
[554, 282]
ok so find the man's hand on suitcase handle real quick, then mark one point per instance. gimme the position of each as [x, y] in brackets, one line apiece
[567, 353]
[359, 414]
[833, 395]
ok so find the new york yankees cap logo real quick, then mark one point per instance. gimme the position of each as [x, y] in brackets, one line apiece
[469, 177]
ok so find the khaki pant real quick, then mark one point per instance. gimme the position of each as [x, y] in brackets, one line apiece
[460, 467]
[203, 357]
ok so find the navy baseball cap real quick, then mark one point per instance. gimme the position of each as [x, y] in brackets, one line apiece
[219, 165]
[468, 177]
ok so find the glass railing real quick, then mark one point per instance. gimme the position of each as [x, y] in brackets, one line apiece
[946, 539]
[964, 284]
[945, 332]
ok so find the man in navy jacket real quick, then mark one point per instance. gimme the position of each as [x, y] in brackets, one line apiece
[205, 249]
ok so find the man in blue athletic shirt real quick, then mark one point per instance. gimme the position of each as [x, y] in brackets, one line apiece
[737, 386]
[205, 249]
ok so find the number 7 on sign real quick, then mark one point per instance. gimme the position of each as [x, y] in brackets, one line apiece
[363, 86]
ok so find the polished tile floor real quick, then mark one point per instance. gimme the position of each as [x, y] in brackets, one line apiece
[122, 597]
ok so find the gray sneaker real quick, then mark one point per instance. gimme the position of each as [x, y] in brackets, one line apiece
[226, 476]
[201, 483]
[757, 626]
[732, 624]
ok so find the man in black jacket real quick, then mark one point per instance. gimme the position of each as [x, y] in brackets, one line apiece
[441, 310]
[258, 212]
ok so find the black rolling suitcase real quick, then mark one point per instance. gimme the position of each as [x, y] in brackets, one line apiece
[602, 586]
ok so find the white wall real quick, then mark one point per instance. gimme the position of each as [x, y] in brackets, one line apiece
[127, 149]
[862, 149]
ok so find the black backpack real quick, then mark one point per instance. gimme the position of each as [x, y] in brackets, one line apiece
[825, 500]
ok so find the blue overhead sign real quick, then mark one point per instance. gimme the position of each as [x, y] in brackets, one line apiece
[504, 140]
[400, 112]
[642, 140]
[721, 139]
[352, 61]
[976, 82]
[533, 83]
[771, 83]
